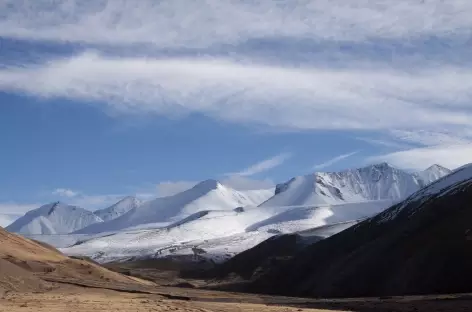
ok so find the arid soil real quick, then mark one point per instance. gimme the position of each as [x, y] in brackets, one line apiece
[37, 278]
[85, 300]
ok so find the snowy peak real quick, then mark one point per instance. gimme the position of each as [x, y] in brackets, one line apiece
[207, 185]
[118, 209]
[375, 182]
[438, 168]
[432, 174]
[206, 195]
[442, 186]
[54, 218]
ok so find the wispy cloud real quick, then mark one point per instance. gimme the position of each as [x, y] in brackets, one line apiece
[432, 138]
[65, 192]
[263, 165]
[447, 148]
[334, 160]
[275, 96]
[401, 68]
[384, 142]
[183, 23]
[450, 156]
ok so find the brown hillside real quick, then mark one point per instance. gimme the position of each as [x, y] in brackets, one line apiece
[26, 265]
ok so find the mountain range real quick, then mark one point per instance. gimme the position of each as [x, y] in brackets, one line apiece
[223, 221]
[375, 182]
[422, 245]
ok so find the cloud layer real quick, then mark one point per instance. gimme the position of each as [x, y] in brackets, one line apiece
[450, 156]
[180, 23]
[400, 68]
[308, 98]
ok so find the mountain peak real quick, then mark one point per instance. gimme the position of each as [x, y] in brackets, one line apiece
[207, 185]
[127, 199]
[116, 210]
[437, 167]
[383, 166]
[54, 218]
[380, 181]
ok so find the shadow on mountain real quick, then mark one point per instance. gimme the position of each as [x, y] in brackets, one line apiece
[256, 260]
[420, 246]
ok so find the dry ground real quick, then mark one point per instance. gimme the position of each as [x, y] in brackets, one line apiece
[66, 297]
[37, 278]
[87, 300]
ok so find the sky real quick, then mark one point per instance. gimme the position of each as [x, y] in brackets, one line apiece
[101, 99]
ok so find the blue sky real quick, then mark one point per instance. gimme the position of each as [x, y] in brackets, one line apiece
[101, 99]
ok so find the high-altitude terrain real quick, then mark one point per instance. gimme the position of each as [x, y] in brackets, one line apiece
[422, 245]
[219, 221]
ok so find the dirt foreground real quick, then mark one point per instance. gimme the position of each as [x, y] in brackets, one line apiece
[90, 300]
[84, 299]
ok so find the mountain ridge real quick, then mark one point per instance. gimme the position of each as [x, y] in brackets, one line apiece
[206, 195]
[374, 182]
[419, 246]
[54, 218]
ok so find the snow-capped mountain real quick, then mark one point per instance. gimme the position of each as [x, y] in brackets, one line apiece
[207, 195]
[54, 218]
[441, 187]
[375, 182]
[118, 209]
[222, 233]
[431, 174]
[426, 237]
[224, 221]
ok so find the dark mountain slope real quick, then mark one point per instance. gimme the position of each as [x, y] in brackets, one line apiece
[253, 261]
[420, 246]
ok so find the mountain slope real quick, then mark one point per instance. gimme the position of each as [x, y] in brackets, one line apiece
[207, 195]
[422, 245]
[29, 266]
[55, 218]
[118, 209]
[215, 231]
[375, 182]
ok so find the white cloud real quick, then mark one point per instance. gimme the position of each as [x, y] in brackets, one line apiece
[431, 138]
[63, 192]
[263, 165]
[202, 23]
[450, 156]
[426, 105]
[308, 98]
[384, 142]
[334, 160]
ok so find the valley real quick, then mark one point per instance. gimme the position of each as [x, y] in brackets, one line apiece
[251, 258]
